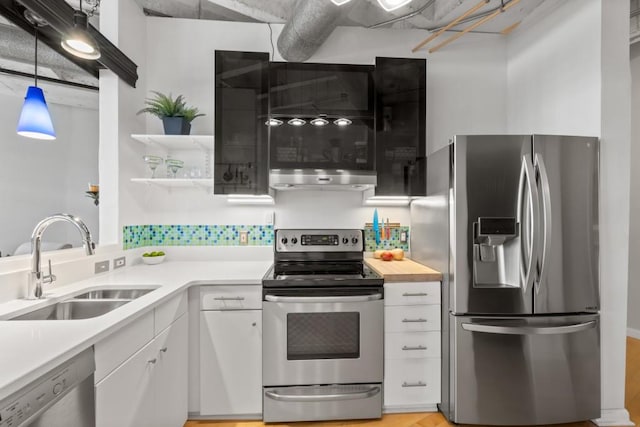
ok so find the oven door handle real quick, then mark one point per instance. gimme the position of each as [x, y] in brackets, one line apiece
[323, 397]
[335, 299]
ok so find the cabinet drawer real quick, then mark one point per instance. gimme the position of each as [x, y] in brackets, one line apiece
[412, 293]
[412, 318]
[238, 297]
[412, 382]
[170, 311]
[119, 346]
[411, 345]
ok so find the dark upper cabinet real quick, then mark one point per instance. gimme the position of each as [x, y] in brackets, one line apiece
[241, 109]
[318, 96]
[400, 86]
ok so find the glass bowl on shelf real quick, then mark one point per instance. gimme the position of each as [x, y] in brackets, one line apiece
[153, 162]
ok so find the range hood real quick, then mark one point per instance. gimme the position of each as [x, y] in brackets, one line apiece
[322, 179]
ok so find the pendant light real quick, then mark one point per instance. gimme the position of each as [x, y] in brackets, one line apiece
[78, 41]
[35, 121]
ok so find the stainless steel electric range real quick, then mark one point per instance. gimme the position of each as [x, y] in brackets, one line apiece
[323, 320]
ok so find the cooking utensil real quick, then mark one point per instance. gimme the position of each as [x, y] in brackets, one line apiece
[376, 226]
[227, 175]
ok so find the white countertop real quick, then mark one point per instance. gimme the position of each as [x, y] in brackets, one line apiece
[30, 348]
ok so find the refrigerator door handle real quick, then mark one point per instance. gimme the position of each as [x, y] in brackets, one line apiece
[527, 175]
[547, 220]
[528, 330]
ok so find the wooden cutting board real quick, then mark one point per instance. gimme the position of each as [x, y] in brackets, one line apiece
[405, 270]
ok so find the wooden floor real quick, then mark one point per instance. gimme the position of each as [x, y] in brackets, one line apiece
[632, 403]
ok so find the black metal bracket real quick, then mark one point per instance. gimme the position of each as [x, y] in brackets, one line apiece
[59, 15]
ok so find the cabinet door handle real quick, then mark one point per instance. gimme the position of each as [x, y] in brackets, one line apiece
[417, 294]
[163, 350]
[418, 384]
[229, 298]
[414, 320]
[152, 361]
[419, 347]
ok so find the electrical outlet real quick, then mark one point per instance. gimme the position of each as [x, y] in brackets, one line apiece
[119, 262]
[101, 267]
[403, 237]
[269, 218]
[244, 237]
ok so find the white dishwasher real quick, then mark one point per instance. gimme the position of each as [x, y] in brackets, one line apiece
[63, 397]
[231, 351]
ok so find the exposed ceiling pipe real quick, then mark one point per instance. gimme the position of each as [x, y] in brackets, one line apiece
[311, 23]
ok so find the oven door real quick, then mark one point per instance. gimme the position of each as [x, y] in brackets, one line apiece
[329, 339]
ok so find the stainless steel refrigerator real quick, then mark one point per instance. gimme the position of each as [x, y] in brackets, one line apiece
[512, 222]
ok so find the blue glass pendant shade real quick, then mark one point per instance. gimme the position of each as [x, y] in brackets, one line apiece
[35, 121]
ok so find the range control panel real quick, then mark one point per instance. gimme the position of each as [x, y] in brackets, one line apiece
[319, 240]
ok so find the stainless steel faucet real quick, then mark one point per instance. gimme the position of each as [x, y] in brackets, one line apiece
[36, 278]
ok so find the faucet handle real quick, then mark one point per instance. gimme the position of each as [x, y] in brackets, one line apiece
[49, 278]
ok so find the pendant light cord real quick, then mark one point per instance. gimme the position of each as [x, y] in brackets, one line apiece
[35, 71]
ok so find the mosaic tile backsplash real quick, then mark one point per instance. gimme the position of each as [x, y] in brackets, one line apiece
[392, 243]
[136, 236]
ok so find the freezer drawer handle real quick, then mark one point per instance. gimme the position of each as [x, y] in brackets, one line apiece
[229, 298]
[359, 298]
[418, 294]
[323, 397]
[418, 384]
[414, 320]
[529, 330]
[418, 347]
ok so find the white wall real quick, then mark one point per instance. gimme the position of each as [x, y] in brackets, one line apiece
[39, 178]
[468, 78]
[568, 73]
[633, 321]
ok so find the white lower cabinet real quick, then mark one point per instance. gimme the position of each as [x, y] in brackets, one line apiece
[412, 347]
[230, 362]
[230, 351]
[150, 387]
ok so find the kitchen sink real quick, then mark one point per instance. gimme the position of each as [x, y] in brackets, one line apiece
[113, 294]
[72, 310]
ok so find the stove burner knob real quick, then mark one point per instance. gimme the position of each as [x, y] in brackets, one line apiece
[284, 241]
[345, 240]
[294, 240]
[354, 240]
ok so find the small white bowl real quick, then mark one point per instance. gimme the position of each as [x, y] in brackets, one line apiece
[153, 260]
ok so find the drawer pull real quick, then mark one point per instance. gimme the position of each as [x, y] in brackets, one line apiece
[419, 347]
[414, 320]
[418, 384]
[229, 298]
[418, 294]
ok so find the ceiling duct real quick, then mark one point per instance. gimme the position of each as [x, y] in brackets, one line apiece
[311, 23]
[59, 16]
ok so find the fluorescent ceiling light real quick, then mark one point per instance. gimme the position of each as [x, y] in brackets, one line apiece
[249, 199]
[388, 201]
[390, 5]
[340, 2]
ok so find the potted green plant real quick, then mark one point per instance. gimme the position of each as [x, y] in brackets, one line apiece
[176, 116]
